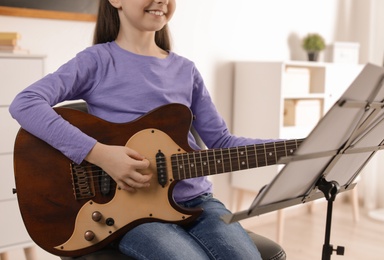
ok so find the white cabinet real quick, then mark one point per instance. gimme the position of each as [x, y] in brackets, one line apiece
[16, 73]
[283, 100]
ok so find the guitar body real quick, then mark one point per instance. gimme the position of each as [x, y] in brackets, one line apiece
[66, 223]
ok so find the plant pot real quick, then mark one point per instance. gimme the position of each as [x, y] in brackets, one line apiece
[313, 56]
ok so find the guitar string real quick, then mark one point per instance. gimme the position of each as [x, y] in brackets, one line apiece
[268, 156]
[98, 172]
[287, 146]
[210, 160]
[212, 151]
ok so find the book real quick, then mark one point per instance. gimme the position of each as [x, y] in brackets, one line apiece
[302, 112]
[8, 42]
[9, 36]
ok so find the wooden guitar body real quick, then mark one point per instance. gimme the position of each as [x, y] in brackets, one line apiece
[72, 210]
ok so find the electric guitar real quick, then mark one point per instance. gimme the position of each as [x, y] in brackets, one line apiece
[71, 210]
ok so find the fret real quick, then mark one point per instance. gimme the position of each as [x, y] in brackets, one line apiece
[246, 156]
[205, 162]
[227, 161]
[188, 166]
[242, 158]
[281, 150]
[218, 161]
[180, 167]
[265, 155]
[198, 163]
[270, 153]
[176, 166]
[256, 159]
[222, 161]
[235, 162]
[238, 158]
[192, 164]
[251, 155]
[195, 165]
[291, 146]
[214, 160]
[185, 169]
[296, 146]
[211, 162]
[260, 155]
[274, 148]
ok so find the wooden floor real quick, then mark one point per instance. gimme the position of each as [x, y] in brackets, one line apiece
[304, 235]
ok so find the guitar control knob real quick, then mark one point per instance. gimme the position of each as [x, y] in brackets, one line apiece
[89, 235]
[110, 221]
[96, 216]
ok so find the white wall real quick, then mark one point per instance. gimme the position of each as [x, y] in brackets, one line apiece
[217, 32]
[214, 33]
[57, 39]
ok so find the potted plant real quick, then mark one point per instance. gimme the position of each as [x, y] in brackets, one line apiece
[313, 43]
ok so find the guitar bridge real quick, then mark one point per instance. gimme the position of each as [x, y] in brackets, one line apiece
[82, 181]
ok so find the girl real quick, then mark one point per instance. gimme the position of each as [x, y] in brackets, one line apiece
[129, 71]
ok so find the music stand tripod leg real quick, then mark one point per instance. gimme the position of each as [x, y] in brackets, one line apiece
[330, 190]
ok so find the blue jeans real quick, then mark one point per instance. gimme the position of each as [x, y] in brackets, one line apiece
[207, 238]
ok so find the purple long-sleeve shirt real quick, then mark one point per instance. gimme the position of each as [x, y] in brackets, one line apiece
[119, 86]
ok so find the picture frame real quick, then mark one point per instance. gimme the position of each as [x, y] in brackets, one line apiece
[75, 10]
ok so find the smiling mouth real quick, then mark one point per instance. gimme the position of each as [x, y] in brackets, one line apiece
[157, 13]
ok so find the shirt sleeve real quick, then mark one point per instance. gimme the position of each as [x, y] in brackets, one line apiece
[32, 107]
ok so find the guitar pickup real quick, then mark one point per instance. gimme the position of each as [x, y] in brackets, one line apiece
[161, 167]
[105, 183]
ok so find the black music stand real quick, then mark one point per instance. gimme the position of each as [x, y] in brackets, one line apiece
[332, 156]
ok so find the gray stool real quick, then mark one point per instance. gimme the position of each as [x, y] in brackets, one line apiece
[269, 250]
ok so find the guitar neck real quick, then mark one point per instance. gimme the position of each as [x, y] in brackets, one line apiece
[216, 161]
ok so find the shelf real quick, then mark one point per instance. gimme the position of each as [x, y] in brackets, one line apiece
[284, 105]
[303, 80]
[302, 112]
[305, 96]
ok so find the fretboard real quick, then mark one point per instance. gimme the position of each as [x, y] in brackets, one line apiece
[216, 161]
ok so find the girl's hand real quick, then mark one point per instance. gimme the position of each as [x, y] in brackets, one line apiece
[122, 164]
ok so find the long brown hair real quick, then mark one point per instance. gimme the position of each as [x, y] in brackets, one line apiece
[108, 25]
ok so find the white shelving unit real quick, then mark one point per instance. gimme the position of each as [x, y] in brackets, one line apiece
[16, 72]
[282, 100]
